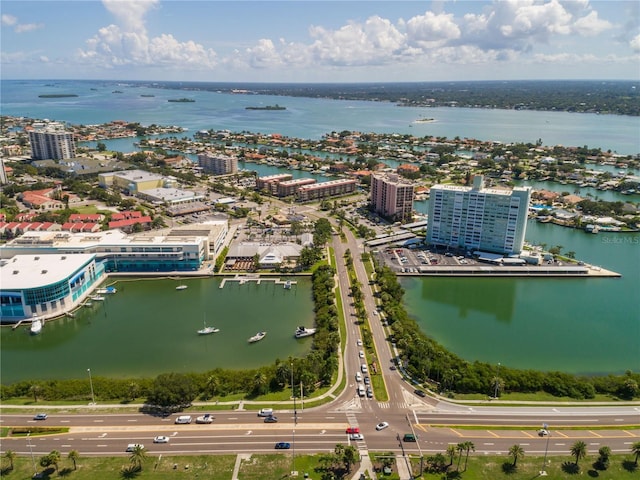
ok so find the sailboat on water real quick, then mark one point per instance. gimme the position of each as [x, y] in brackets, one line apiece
[207, 330]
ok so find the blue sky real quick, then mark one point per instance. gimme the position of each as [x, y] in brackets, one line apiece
[320, 41]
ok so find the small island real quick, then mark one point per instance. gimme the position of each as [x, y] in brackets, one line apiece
[181, 100]
[117, 91]
[267, 107]
[144, 95]
[57, 95]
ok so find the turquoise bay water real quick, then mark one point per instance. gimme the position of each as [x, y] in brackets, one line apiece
[148, 327]
[572, 325]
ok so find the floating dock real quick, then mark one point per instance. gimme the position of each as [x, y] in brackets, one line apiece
[242, 279]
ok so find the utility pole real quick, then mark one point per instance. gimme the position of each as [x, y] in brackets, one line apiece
[543, 472]
[33, 460]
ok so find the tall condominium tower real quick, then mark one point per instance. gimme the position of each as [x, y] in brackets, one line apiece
[218, 164]
[51, 141]
[478, 218]
[392, 196]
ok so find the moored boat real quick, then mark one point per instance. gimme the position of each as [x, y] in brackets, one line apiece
[208, 330]
[36, 326]
[257, 337]
[302, 332]
[181, 287]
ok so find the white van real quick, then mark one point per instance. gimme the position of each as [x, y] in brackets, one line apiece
[358, 377]
[265, 412]
[361, 390]
[183, 419]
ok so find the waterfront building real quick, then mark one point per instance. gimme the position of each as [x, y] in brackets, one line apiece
[392, 197]
[326, 189]
[51, 141]
[46, 285]
[218, 164]
[269, 183]
[477, 218]
[290, 187]
[178, 249]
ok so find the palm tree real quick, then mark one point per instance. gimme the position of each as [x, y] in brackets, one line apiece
[74, 455]
[579, 450]
[516, 451]
[451, 451]
[259, 382]
[468, 446]
[11, 456]
[459, 449]
[635, 449]
[138, 454]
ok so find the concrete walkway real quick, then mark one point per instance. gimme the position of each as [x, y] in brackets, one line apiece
[402, 464]
[239, 459]
[366, 467]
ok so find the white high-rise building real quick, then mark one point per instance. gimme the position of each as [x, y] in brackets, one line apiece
[51, 141]
[478, 218]
[218, 164]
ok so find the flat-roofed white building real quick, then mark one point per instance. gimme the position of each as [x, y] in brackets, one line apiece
[170, 196]
[478, 218]
[45, 285]
[134, 181]
[331, 188]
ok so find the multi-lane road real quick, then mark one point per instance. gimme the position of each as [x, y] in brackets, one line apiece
[436, 422]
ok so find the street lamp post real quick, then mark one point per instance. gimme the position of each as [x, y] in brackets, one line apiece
[93, 398]
[295, 422]
[543, 472]
[33, 460]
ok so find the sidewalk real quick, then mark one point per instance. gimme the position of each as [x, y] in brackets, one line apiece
[366, 467]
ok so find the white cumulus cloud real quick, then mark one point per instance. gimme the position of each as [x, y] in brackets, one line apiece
[591, 25]
[635, 43]
[431, 30]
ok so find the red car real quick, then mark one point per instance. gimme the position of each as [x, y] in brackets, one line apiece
[353, 430]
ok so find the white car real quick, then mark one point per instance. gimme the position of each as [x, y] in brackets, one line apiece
[382, 426]
[132, 446]
[161, 439]
[356, 436]
[206, 418]
[543, 432]
[359, 342]
[361, 353]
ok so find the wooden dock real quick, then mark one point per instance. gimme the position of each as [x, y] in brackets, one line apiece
[242, 279]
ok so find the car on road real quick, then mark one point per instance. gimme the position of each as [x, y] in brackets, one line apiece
[409, 437]
[382, 426]
[392, 367]
[356, 436]
[369, 392]
[543, 432]
[183, 419]
[206, 418]
[420, 393]
[361, 353]
[161, 439]
[283, 446]
[351, 430]
[41, 416]
[132, 446]
[359, 342]
[271, 419]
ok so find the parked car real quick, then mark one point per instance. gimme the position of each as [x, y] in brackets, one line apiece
[206, 418]
[283, 446]
[543, 432]
[382, 426]
[161, 439]
[41, 416]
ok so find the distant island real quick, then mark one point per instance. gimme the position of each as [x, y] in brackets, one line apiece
[143, 95]
[57, 95]
[268, 107]
[117, 91]
[181, 100]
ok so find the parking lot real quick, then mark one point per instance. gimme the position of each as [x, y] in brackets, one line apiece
[409, 260]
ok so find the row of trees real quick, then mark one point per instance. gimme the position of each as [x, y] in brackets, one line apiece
[427, 361]
[438, 463]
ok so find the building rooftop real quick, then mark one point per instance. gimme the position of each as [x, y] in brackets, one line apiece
[30, 271]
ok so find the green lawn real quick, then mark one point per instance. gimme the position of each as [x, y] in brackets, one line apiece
[277, 466]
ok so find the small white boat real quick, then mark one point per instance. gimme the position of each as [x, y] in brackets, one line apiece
[36, 326]
[257, 337]
[287, 285]
[302, 332]
[97, 298]
[208, 330]
[181, 287]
